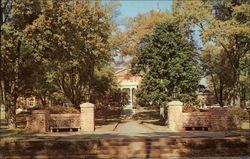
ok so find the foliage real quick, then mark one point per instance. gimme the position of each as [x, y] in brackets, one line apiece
[168, 64]
[223, 25]
[191, 14]
[239, 113]
[218, 70]
[126, 41]
[62, 110]
[189, 109]
[107, 115]
[54, 49]
[75, 51]
[114, 99]
[16, 59]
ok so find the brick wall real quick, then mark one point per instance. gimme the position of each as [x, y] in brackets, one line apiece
[64, 121]
[215, 119]
[196, 119]
[42, 121]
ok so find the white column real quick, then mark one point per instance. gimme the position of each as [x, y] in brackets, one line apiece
[87, 117]
[175, 115]
[132, 96]
[130, 93]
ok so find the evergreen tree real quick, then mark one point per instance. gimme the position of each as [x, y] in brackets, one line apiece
[168, 64]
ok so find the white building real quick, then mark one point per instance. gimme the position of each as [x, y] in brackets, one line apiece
[128, 83]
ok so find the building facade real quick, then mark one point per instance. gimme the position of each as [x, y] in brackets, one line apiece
[128, 83]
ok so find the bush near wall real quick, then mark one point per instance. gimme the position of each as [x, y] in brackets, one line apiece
[62, 110]
[189, 109]
[107, 113]
[238, 113]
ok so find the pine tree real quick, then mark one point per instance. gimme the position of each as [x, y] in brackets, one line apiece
[168, 64]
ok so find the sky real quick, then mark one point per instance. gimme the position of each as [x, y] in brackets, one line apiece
[130, 8]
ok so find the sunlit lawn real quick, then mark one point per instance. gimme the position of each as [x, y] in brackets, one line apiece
[148, 116]
[245, 124]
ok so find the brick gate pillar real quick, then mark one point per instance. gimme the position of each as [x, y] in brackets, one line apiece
[175, 115]
[87, 119]
[38, 121]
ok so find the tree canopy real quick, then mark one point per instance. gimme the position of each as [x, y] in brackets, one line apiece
[55, 48]
[135, 29]
[167, 61]
[64, 49]
[225, 25]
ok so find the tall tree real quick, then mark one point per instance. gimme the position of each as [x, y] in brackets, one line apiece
[217, 70]
[16, 62]
[71, 41]
[53, 46]
[167, 61]
[225, 24]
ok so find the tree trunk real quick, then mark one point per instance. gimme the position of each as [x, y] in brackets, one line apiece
[12, 113]
[221, 100]
[2, 93]
[215, 88]
[237, 94]
[12, 99]
[43, 100]
[2, 89]
[243, 96]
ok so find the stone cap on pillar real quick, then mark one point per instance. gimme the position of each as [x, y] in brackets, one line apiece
[87, 105]
[175, 103]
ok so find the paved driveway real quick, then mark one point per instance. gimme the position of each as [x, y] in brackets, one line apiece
[132, 128]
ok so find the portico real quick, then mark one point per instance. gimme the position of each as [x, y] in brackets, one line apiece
[128, 83]
[129, 88]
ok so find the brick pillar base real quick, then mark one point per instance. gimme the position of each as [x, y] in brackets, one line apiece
[38, 121]
[87, 120]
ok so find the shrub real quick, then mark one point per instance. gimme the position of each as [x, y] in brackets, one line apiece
[107, 113]
[238, 113]
[155, 107]
[62, 110]
[189, 109]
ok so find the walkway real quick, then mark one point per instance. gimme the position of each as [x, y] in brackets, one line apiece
[132, 128]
